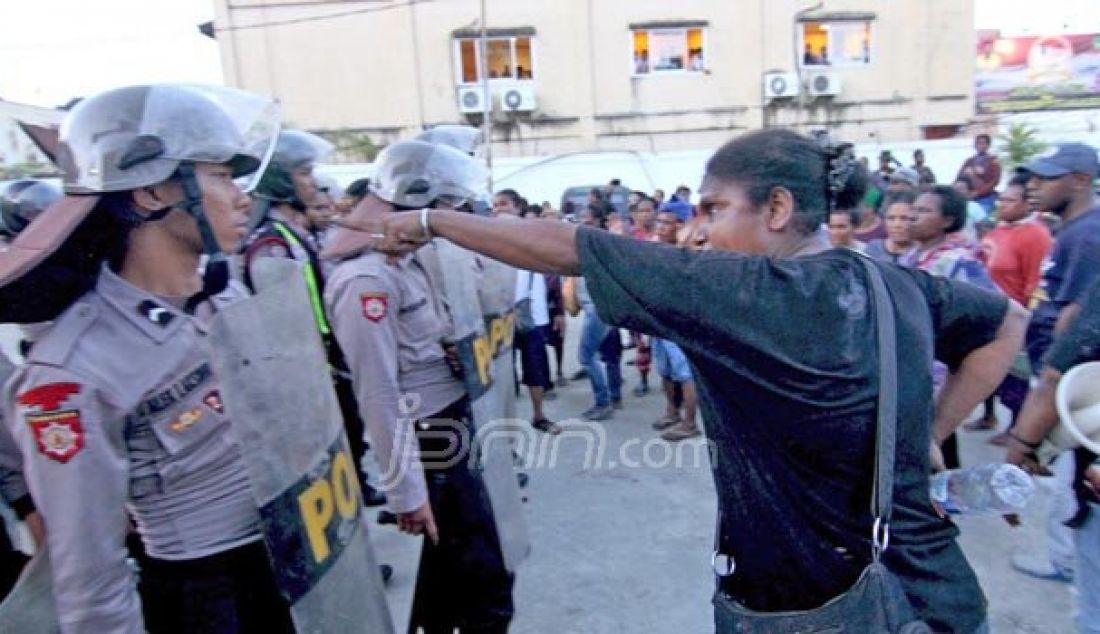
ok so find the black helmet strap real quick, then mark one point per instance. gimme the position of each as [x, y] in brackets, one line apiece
[215, 276]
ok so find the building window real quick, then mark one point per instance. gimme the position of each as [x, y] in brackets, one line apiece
[845, 43]
[506, 58]
[658, 51]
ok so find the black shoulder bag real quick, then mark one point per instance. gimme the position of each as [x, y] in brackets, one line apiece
[876, 603]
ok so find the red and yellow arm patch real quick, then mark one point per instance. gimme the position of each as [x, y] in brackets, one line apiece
[58, 433]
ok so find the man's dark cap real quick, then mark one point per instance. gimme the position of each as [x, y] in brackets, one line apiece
[1066, 158]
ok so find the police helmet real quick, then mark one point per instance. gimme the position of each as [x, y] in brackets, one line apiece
[294, 149]
[22, 201]
[465, 138]
[137, 136]
[415, 174]
[120, 140]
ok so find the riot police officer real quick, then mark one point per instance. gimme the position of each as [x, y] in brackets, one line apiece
[21, 202]
[282, 196]
[390, 322]
[117, 411]
[285, 190]
[13, 490]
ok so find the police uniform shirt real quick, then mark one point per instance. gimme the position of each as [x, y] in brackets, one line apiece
[784, 357]
[389, 322]
[117, 409]
[266, 241]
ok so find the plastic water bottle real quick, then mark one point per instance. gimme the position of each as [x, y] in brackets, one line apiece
[988, 488]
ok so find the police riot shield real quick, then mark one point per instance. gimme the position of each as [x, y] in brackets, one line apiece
[29, 608]
[275, 382]
[480, 295]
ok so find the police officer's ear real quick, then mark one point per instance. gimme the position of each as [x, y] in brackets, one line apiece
[153, 199]
[779, 208]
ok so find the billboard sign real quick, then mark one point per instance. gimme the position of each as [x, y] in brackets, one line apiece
[1035, 73]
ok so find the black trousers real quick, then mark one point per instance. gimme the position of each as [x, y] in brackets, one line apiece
[233, 592]
[462, 582]
[353, 426]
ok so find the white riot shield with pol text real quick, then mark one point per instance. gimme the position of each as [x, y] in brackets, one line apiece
[276, 386]
[480, 294]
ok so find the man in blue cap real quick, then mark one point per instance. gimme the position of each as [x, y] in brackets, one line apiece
[1061, 182]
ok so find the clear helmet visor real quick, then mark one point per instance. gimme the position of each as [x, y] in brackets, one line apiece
[137, 136]
[297, 147]
[417, 173]
[466, 139]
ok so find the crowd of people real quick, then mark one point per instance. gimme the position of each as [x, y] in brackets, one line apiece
[1008, 238]
[755, 299]
[1029, 239]
[600, 348]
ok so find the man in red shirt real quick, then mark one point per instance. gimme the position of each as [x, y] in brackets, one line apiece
[1014, 252]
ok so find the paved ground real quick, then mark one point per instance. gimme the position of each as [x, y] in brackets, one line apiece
[622, 540]
[621, 548]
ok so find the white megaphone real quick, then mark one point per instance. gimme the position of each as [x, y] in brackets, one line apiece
[1078, 402]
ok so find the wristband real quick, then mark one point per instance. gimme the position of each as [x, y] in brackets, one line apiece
[1030, 445]
[424, 224]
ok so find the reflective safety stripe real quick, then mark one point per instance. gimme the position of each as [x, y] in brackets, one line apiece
[311, 279]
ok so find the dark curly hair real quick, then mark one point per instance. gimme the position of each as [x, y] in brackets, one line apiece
[820, 176]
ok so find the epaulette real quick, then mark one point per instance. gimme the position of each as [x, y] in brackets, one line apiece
[59, 341]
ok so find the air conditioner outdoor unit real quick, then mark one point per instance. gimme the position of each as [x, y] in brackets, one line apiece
[471, 99]
[518, 99]
[823, 84]
[779, 85]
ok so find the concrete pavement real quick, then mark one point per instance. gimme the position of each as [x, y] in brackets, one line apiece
[625, 548]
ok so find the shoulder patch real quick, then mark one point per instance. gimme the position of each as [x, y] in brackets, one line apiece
[58, 433]
[375, 305]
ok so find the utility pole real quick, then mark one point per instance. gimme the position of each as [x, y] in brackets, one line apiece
[486, 96]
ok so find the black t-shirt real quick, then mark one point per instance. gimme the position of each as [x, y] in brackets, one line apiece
[784, 354]
[1071, 268]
